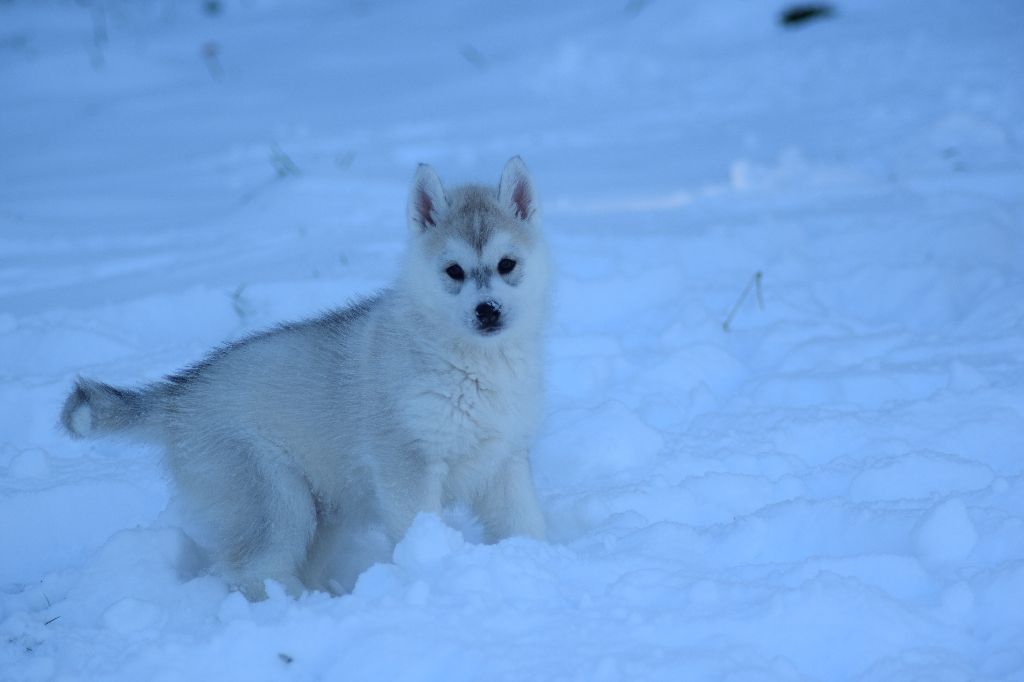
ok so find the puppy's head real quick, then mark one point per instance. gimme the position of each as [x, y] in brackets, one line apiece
[477, 260]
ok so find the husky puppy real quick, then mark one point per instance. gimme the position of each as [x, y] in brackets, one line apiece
[425, 395]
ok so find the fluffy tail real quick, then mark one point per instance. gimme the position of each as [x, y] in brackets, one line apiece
[96, 409]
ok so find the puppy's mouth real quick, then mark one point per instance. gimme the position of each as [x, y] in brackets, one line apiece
[489, 329]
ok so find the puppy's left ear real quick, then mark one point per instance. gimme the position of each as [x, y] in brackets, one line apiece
[515, 190]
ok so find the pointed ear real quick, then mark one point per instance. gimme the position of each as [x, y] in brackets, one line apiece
[515, 190]
[426, 199]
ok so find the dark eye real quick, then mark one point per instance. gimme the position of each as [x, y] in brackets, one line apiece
[455, 272]
[506, 265]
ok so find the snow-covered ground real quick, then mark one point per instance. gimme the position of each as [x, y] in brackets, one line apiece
[831, 489]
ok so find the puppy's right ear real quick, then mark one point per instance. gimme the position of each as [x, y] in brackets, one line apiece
[427, 199]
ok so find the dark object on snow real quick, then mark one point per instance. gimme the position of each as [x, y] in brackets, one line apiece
[799, 14]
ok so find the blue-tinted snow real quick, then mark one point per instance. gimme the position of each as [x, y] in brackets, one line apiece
[830, 490]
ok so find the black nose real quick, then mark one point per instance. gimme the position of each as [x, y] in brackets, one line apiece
[488, 315]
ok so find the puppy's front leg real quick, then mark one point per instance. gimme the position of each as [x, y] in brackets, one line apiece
[408, 492]
[508, 505]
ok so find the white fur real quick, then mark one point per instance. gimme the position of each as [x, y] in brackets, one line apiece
[81, 420]
[371, 415]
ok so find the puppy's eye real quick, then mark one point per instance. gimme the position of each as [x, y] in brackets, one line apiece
[455, 272]
[506, 265]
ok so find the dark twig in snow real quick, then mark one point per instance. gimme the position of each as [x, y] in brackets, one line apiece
[99, 34]
[473, 56]
[344, 160]
[210, 52]
[284, 167]
[799, 14]
[755, 282]
[283, 163]
[635, 7]
[238, 302]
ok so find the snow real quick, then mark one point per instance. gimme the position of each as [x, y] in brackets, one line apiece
[946, 534]
[831, 489]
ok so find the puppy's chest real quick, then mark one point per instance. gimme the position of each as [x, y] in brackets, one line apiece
[465, 412]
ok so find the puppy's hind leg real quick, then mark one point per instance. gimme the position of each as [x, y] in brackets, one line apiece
[261, 512]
